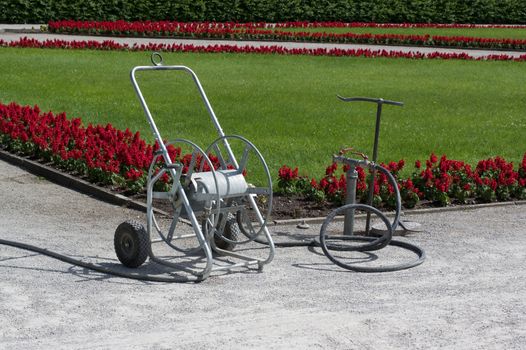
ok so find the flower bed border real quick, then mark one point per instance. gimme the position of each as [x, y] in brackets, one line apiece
[119, 158]
[105, 45]
[266, 31]
[100, 193]
[74, 182]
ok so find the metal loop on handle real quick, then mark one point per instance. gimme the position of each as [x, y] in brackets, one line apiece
[157, 59]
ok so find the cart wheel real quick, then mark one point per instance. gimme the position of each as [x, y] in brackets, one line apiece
[231, 233]
[131, 243]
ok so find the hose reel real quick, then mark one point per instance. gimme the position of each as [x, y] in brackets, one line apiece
[213, 196]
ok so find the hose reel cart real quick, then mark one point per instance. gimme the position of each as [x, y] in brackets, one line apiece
[208, 190]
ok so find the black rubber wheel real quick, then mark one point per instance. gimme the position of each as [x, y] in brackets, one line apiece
[131, 243]
[231, 233]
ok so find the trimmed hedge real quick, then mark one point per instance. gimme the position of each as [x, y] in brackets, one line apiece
[394, 11]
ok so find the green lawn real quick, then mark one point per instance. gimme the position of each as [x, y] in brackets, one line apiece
[287, 105]
[501, 33]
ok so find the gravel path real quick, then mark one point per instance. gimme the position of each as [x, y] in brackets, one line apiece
[11, 36]
[469, 294]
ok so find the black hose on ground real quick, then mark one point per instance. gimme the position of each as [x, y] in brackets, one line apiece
[421, 255]
[98, 268]
[374, 243]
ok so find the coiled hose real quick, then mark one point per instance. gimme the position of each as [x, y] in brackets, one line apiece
[371, 243]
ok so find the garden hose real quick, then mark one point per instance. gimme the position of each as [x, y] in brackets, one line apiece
[328, 248]
[421, 256]
[374, 243]
[98, 268]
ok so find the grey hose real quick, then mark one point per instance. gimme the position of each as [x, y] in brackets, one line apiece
[375, 243]
[98, 268]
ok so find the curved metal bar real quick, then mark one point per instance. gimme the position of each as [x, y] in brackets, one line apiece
[157, 59]
[249, 146]
[199, 88]
[369, 99]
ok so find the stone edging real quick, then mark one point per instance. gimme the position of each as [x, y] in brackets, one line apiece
[319, 220]
[105, 195]
[70, 181]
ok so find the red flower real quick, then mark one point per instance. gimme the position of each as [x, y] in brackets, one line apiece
[287, 173]
[133, 174]
[265, 31]
[331, 169]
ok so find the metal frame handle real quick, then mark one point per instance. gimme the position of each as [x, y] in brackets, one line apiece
[157, 61]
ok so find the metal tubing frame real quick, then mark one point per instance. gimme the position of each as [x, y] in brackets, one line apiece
[350, 198]
[365, 163]
[251, 197]
[205, 244]
[197, 230]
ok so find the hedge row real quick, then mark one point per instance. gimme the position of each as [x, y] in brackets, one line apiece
[395, 11]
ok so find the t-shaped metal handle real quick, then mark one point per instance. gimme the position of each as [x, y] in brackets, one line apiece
[379, 102]
[369, 99]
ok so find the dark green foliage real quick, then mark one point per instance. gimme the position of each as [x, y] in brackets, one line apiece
[395, 11]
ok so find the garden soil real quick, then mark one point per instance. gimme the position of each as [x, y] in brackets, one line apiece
[470, 293]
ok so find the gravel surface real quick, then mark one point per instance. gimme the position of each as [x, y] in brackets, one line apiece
[470, 293]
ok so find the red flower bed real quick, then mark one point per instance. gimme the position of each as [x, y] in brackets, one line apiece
[103, 154]
[440, 182]
[391, 25]
[277, 50]
[264, 31]
[119, 158]
[173, 26]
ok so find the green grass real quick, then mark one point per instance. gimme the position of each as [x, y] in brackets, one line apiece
[287, 105]
[501, 33]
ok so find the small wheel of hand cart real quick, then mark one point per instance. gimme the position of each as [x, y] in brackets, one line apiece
[131, 243]
[229, 234]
